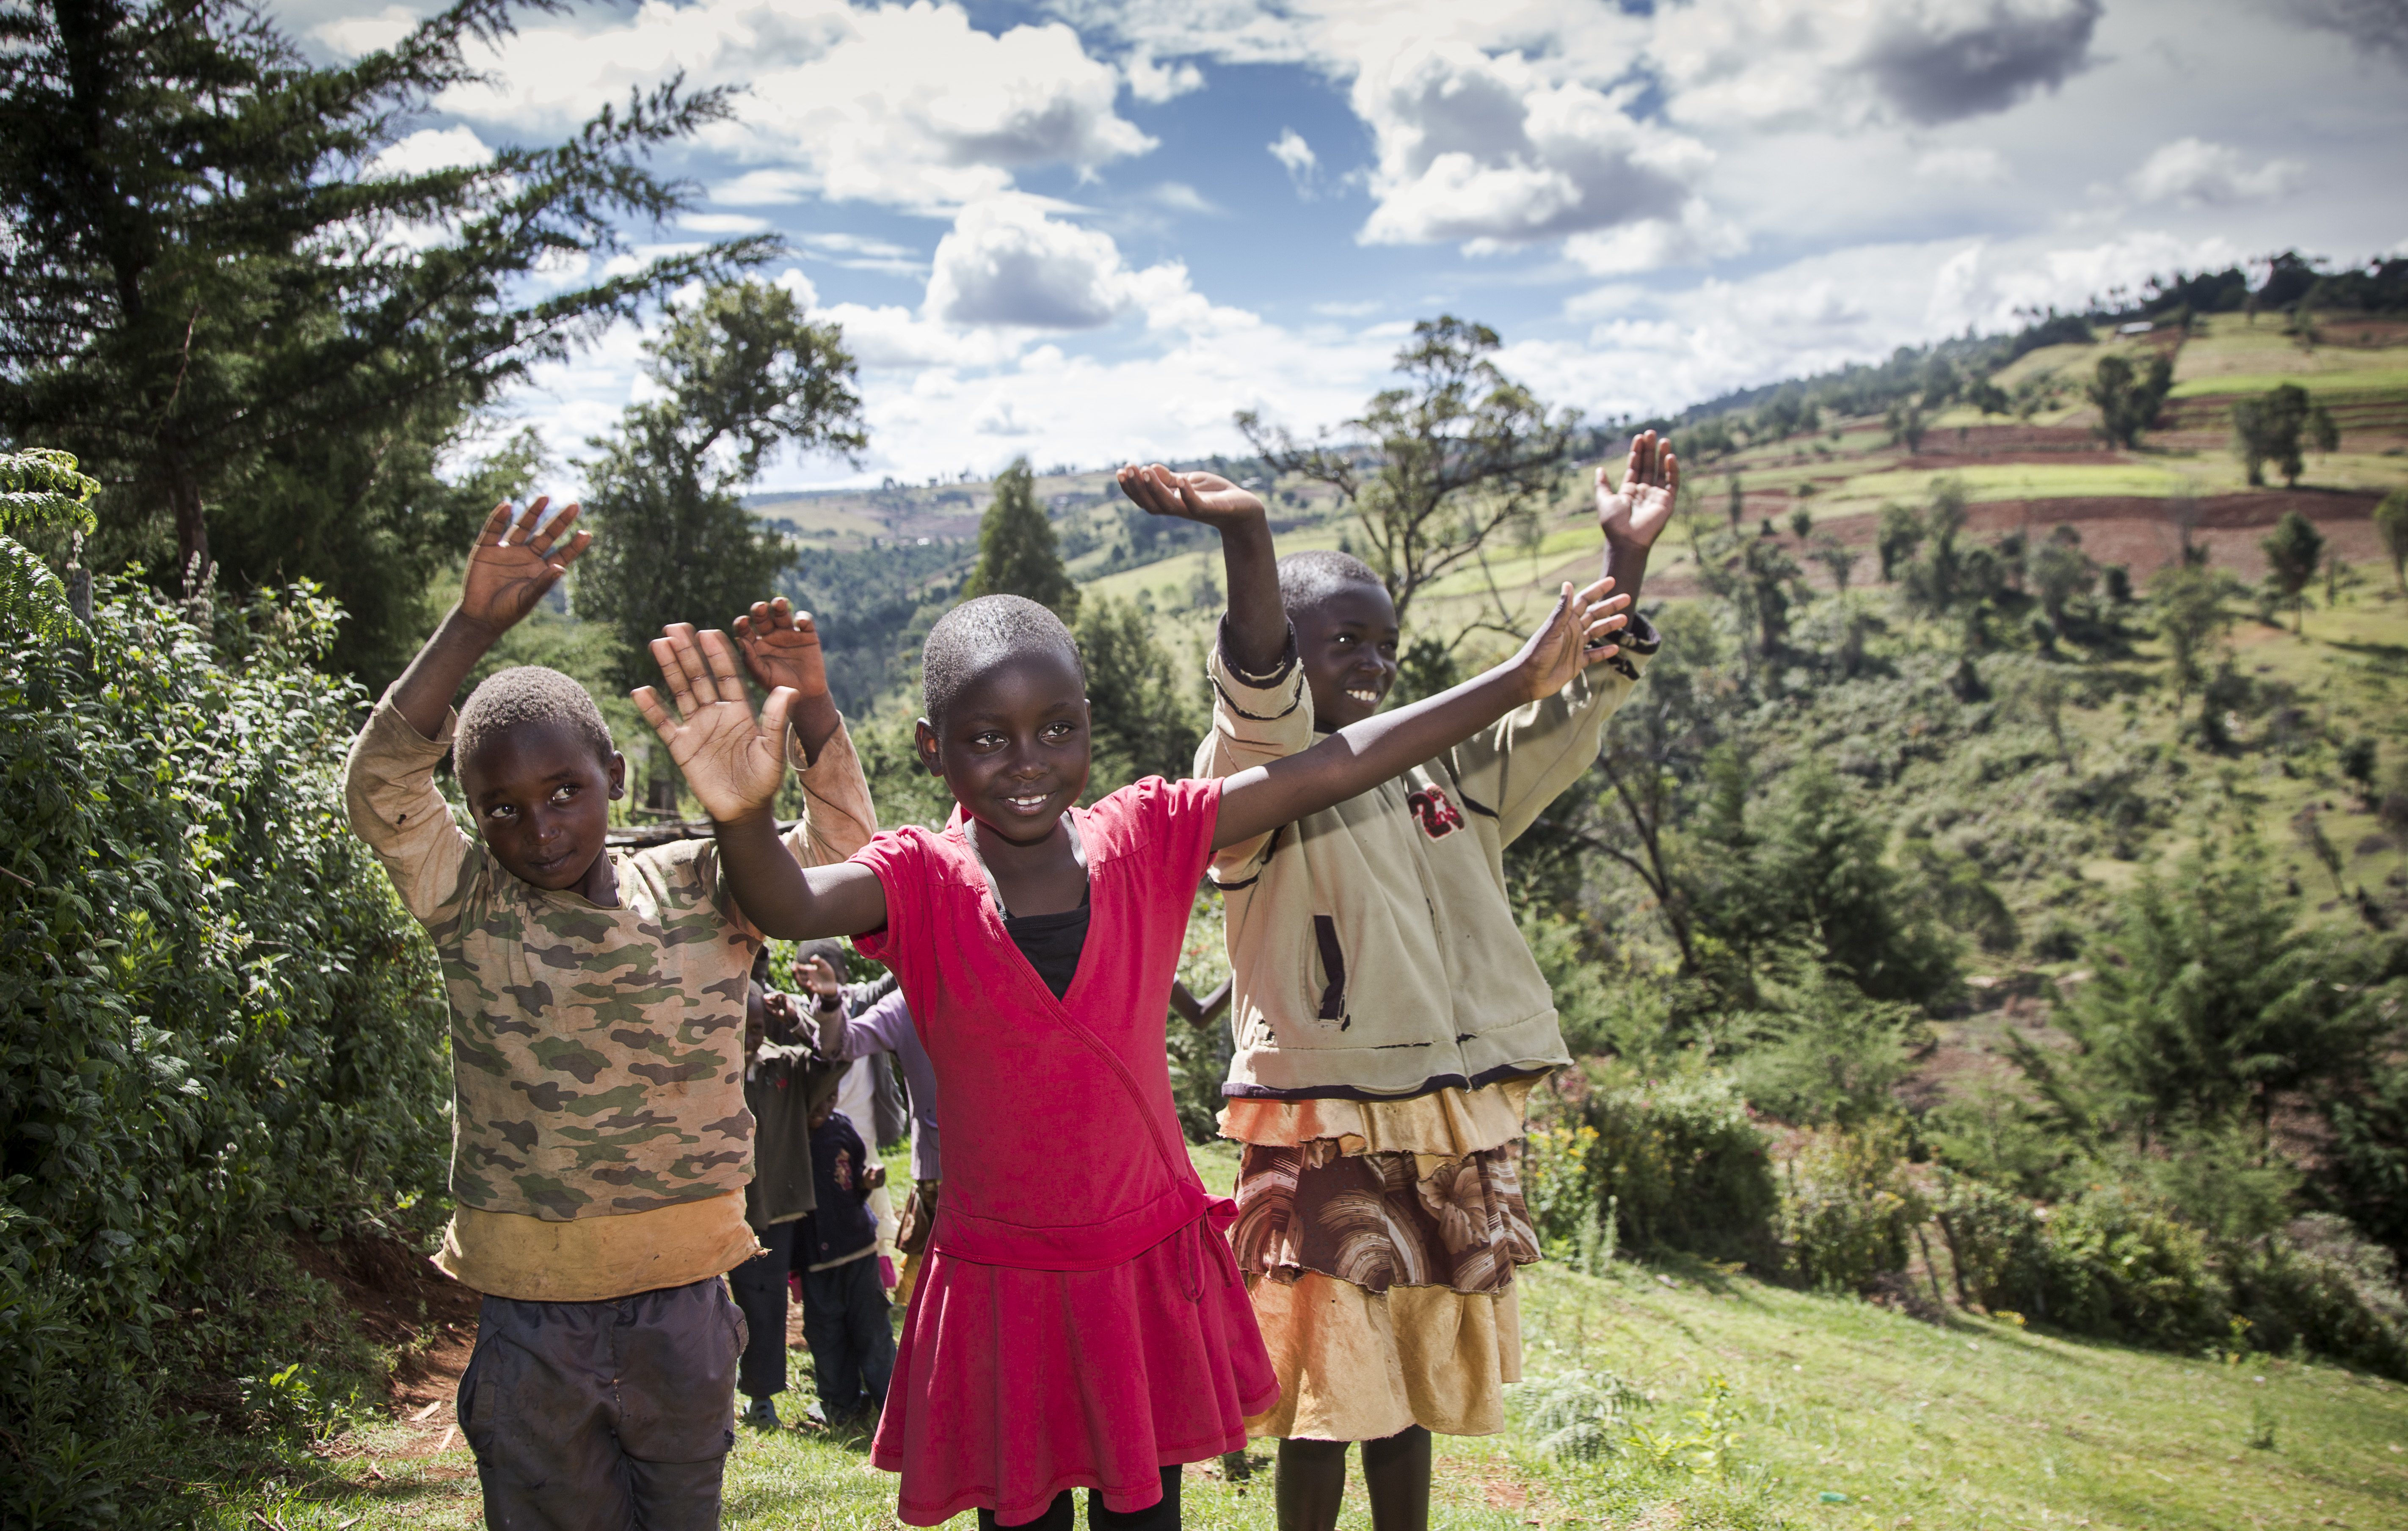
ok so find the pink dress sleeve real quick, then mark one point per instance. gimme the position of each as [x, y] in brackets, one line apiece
[1168, 824]
[901, 859]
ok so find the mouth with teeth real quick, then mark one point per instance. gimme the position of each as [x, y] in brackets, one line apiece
[1028, 804]
[1364, 694]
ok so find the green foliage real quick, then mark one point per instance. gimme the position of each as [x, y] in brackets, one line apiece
[1579, 1415]
[2292, 550]
[39, 491]
[741, 372]
[1897, 535]
[1686, 1165]
[2187, 601]
[2266, 429]
[1017, 552]
[2391, 517]
[1145, 719]
[1847, 1208]
[220, 1026]
[2365, 1174]
[258, 335]
[1821, 1051]
[2129, 401]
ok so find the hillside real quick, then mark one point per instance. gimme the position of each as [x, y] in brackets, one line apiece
[1754, 1407]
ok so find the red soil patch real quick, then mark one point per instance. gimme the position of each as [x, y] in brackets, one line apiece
[399, 1299]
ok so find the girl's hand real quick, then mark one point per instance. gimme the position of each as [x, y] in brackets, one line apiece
[781, 648]
[817, 977]
[1206, 497]
[513, 565]
[1637, 511]
[733, 763]
[1576, 634]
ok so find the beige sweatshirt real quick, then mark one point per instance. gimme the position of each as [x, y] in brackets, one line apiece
[1372, 946]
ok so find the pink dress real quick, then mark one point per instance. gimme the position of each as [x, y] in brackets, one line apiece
[1081, 1322]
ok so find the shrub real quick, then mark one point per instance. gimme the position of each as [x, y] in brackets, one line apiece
[1580, 1415]
[1847, 1208]
[2325, 1289]
[220, 1027]
[1685, 1166]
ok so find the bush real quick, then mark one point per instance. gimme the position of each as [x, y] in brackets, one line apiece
[1847, 1209]
[220, 1026]
[1685, 1164]
[2113, 1263]
[2327, 1289]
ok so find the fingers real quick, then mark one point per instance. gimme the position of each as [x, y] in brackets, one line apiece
[773, 713]
[552, 533]
[522, 531]
[570, 554]
[496, 526]
[648, 702]
[726, 672]
[692, 682]
[1672, 471]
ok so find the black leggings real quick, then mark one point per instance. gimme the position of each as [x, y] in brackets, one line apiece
[1163, 1516]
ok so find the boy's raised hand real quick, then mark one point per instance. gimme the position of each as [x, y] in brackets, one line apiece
[513, 565]
[1207, 497]
[781, 648]
[1578, 633]
[734, 762]
[1638, 509]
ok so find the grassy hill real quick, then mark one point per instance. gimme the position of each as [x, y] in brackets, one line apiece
[1751, 1405]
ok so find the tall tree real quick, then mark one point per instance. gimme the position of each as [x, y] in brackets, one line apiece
[1438, 468]
[219, 297]
[1017, 552]
[2292, 551]
[2129, 399]
[1145, 722]
[2391, 529]
[2266, 429]
[742, 372]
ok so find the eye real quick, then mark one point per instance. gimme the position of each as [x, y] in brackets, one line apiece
[565, 791]
[986, 741]
[1343, 640]
[1056, 732]
[501, 811]
[1389, 648]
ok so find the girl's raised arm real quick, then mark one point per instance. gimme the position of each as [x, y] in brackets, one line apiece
[735, 762]
[1360, 756]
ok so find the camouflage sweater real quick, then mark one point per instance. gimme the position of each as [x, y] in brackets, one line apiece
[596, 1053]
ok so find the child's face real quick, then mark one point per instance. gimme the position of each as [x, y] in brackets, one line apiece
[1347, 642]
[821, 1113]
[1014, 744]
[542, 801]
[756, 1020]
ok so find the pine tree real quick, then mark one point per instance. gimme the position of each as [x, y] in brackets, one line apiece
[1017, 553]
[216, 297]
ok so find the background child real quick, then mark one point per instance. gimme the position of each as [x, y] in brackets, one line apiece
[845, 1312]
[1388, 1020]
[1079, 1322]
[785, 1079]
[884, 1028]
[601, 1144]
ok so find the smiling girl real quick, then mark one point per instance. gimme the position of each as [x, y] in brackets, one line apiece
[1080, 1320]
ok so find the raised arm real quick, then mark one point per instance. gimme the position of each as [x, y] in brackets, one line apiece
[510, 569]
[1634, 512]
[734, 764]
[1361, 755]
[1257, 630]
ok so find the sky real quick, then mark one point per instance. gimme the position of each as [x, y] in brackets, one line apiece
[1088, 232]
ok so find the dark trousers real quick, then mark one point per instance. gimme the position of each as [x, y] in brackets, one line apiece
[604, 1416]
[759, 1287]
[852, 1343]
[1160, 1516]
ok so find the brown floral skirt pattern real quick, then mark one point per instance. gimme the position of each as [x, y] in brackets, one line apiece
[1382, 1220]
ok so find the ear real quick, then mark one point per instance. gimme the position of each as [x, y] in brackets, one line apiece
[924, 744]
[618, 772]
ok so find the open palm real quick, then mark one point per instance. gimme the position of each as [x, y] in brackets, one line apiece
[733, 762]
[1638, 510]
[1578, 633]
[781, 648]
[1205, 497]
[513, 563]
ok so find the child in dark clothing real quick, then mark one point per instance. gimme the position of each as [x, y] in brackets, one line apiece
[844, 1303]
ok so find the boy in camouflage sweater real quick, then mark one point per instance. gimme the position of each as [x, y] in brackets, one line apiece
[601, 1143]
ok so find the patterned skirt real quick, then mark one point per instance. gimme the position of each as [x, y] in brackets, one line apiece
[1379, 1242]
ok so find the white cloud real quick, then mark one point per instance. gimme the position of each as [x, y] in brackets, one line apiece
[1006, 265]
[430, 148]
[1694, 237]
[2196, 173]
[722, 223]
[909, 105]
[792, 281]
[1920, 61]
[1181, 197]
[1964, 167]
[1296, 158]
[1156, 83]
[1484, 150]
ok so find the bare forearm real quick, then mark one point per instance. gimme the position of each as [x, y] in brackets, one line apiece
[1360, 756]
[784, 899]
[1257, 631]
[1625, 565]
[424, 694]
[813, 721]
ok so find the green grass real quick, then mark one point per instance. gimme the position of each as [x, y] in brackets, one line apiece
[1979, 1423]
[2390, 378]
